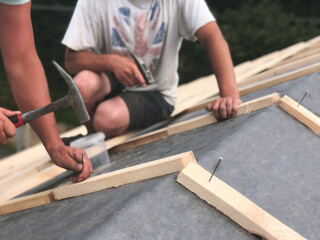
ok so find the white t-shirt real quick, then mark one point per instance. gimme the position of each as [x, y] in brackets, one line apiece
[152, 29]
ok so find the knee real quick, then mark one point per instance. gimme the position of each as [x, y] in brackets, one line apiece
[106, 119]
[86, 82]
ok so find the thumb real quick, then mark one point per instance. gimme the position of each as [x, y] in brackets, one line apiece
[77, 156]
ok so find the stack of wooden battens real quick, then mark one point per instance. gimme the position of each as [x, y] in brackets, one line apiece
[32, 167]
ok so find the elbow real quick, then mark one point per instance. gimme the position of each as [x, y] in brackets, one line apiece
[70, 61]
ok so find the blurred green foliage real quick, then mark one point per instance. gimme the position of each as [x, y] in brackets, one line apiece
[252, 28]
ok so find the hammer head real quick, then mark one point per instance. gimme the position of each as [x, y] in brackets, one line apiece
[76, 100]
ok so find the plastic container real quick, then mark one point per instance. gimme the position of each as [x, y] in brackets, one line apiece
[95, 147]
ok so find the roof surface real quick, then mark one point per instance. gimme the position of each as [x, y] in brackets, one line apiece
[268, 156]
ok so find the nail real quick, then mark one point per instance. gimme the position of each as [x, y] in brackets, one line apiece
[215, 169]
[307, 92]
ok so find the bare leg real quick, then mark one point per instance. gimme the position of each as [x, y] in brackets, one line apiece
[112, 117]
[93, 88]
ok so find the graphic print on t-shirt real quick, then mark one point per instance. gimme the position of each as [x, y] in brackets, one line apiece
[142, 32]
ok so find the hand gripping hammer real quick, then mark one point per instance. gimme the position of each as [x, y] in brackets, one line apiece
[73, 99]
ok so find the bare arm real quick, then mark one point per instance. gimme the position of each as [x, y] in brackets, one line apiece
[211, 37]
[124, 68]
[29, 86]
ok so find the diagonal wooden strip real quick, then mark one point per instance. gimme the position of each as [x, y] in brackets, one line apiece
[243, 109]
[27, 202]
[30, 182]
[233, 204]
[124, 176]
[247, 89]
[282, 69]
[280, 79]
[201, 121]
[273, 60]
[7, 182]
[302, 114]
[26, 158]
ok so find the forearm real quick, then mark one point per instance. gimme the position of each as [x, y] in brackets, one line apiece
[29, 87]
[212, 39]
[222, 67]
[24, 70]
[76, 61]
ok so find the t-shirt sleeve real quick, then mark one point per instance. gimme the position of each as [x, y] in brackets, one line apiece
[14, 2]
[84, 30]
[193, 15]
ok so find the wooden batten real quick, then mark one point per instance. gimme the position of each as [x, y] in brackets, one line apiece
[27, 202]
[197, 122]
[279, 79]
[282, 69]
[30, 182]
[302, 114]
[233, 204]
[124, 176]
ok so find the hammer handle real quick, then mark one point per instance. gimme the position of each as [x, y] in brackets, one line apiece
[16, 120]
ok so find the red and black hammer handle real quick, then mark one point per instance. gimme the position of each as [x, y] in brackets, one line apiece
[17, 120]
[21, 119]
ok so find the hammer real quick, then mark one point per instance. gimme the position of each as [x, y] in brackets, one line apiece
[73, 99]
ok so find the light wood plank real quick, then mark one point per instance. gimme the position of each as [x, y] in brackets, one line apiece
[209, 118]
[197, 122]
[27, 202]
[233, 204]
[24, 159]
[283, 68]
[279, 79]
[30, 182]
[22, 176]
[247, 89]
[124, 176]
[272, 61]
[302, 114]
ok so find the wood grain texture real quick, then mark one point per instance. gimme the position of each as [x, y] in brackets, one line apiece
[280, 79]
[300, 113]
[30, 182]
[124, 176]
[197, 122]
[27, 202]
[282, 69]
[233, 204]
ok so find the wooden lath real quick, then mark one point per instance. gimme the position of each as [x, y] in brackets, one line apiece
[117, 178]
[233, 204]
[300, 113]
[217, 193]
[201, 121]
[39, 168]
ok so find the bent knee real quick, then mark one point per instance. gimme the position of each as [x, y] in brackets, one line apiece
[109, 120]
[87, 81]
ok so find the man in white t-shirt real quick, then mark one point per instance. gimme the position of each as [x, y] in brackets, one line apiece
[29, 87]
[101, 34]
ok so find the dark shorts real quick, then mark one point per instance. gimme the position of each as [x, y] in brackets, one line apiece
[145, 108]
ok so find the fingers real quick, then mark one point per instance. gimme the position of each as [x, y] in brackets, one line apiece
[7, 129]
[133, 77]
[9, 113]
[138, 77]
[224, 108]
[86, 168]
[71, 159]
[128, 73]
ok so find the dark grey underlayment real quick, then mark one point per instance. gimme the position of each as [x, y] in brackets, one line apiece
[268, 156]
